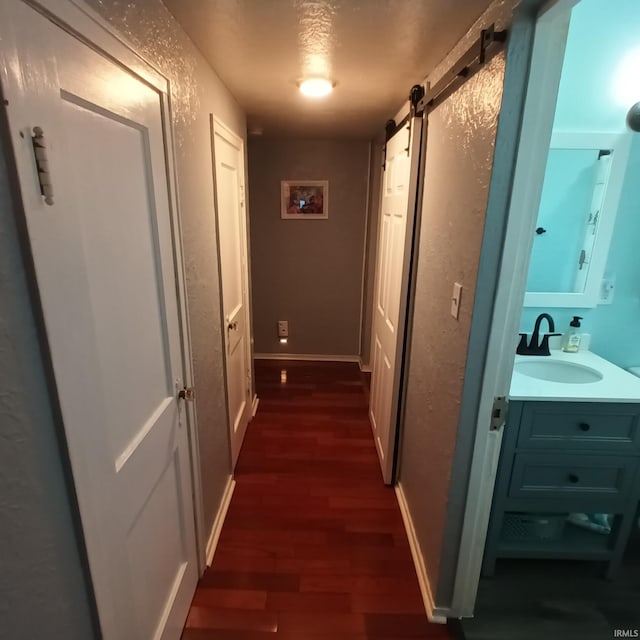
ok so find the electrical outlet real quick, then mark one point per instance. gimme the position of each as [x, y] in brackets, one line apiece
[283, 328]
[455, 299]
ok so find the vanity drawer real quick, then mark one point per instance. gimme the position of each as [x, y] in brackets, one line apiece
[559, 476]
[581, 426]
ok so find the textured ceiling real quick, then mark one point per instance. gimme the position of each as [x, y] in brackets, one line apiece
[374, 50]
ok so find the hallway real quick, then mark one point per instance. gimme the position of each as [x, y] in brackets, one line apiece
[313, 546]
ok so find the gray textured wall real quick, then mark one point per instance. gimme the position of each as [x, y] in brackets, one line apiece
[196, 92]
[41, 582]
[308, 272]
[459, 162]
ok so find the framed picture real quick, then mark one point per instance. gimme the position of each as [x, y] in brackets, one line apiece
[304, 199]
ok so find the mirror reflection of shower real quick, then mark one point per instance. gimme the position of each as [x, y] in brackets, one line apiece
[603, 168]
[568, 219]
[577, 211]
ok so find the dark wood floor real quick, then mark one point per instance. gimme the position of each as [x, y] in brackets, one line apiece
[313, 547]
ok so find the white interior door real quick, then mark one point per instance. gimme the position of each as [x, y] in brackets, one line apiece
[387, 333]
[229, 180]
[104, 262]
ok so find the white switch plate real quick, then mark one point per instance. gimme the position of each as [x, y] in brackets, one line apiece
[283, 328]
[455, 299]
[607, 289]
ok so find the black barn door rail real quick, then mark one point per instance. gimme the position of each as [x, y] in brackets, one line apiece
[422, 103]
[489, 43]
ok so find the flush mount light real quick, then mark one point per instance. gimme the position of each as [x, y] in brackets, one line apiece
[316, 87]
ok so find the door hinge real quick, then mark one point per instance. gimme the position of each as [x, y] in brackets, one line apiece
[42, 164]
[499, 413]
[187, 393]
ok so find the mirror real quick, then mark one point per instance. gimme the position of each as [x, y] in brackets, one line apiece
[578, 205]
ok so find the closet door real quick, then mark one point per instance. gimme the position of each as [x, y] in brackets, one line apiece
[390, 295]
[103, 252]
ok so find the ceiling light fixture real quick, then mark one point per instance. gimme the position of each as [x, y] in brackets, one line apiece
[316, 87]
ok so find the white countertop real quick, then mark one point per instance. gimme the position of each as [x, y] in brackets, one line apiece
[617, 385]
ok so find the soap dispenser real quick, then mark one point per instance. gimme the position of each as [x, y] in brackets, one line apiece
[571, 339]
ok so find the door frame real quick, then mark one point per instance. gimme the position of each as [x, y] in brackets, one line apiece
[80, 21]
[218, 125]
[542, 30]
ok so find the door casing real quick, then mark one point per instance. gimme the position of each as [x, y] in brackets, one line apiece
[218, 127]
[504, 262]
[89, 28]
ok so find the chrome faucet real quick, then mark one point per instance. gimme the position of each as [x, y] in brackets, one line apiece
[535, 346]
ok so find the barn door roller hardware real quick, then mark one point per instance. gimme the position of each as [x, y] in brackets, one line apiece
[489, 43]
[391, 128]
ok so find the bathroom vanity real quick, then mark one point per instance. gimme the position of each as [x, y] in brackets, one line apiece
[571, 446]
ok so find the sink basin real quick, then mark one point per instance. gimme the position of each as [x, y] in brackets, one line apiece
[557, 371]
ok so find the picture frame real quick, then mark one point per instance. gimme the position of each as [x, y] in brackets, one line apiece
[304, 199]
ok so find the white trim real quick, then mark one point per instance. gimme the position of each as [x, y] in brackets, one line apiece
[185, 325]
[311, 357]
[365, 368]
[216, 530]
[435, 614]
[254, 405]
[539, 111]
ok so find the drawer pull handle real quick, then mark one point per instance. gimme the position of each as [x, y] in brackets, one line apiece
[584, 426]
[573, 478]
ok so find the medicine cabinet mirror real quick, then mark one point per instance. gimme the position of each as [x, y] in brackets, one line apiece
[576, 217]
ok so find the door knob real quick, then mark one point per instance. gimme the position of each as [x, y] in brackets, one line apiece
[232, 326]
[187, 393]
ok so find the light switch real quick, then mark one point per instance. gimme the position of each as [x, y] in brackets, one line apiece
[607, 288]
[455, 299]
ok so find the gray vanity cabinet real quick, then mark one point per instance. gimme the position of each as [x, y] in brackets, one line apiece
[560, 458]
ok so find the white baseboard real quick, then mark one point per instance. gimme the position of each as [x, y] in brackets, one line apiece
[254, 406]
[433, 613]
[365, 368]
[311, 357]
[214, 536]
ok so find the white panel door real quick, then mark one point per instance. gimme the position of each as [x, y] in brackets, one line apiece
[229, 179]
[104, 263]
[386, 304]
